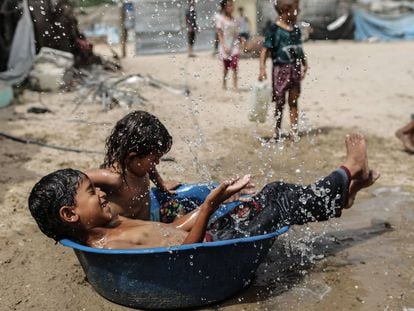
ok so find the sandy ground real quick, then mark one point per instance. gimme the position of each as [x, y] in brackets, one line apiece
[362, 261]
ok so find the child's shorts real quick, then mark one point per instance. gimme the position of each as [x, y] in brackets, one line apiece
[172, 209]
[231, 63]
[285, 77]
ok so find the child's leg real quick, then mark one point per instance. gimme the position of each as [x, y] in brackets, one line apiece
[225, 71]
[296, 204]
[279, 86]
[235, 66]
[406, 135]
[280, 204]
[294, 93]
[280, 100]
[235, 79]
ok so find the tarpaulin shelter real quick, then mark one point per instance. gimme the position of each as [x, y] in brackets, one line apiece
[383, 27]
[27, 26]
[326, 19]
[21, 51]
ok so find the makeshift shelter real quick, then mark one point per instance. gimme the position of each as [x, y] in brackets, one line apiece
[160, 25]
[320, 19]
[19, 50]
[10, 13]
[369, 26]
[29, 25]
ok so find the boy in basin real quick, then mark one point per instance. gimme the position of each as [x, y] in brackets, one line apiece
[66, 204]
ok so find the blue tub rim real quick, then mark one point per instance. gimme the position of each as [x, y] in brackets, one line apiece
[153, 250]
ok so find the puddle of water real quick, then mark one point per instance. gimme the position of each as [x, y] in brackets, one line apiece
[286, 275]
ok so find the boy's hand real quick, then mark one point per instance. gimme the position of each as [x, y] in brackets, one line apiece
[244, 195]
[225, 190]
[262, 74]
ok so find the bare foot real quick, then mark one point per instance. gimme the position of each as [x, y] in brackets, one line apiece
[358, 184]
[356, 156]
[294, 136]
[406, 140]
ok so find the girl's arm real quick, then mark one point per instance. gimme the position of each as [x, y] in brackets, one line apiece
[262, 61]
[305, 67]
[156, 179]
[221, 40]
[161, 184]
[104, 178]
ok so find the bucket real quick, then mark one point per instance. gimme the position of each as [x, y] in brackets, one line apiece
[259, 101]
[6, 95]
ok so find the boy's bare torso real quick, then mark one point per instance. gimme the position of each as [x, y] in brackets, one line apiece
[134, 233]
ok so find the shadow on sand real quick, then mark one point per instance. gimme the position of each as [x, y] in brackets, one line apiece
[286, 266]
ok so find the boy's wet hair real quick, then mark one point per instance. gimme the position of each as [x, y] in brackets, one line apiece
[281, 6]
[139, 132]
[47, 197]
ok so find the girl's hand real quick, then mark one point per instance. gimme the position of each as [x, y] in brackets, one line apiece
[262, 74]
[169, 186]
[226, 50]
[303, 73]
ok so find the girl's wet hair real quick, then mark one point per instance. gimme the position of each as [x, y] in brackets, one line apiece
[47, 197]
[139, 132]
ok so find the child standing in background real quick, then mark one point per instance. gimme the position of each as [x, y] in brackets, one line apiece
[228, 34]
[244, 24]
[191, 22]
[283, 41]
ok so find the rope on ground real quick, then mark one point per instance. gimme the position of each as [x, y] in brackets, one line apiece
[35, 142]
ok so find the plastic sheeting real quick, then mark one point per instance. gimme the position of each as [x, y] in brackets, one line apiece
[369, 26]
[341, 29]
[22, 51]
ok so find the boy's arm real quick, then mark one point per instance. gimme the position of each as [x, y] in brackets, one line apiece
[198, 220]
[262, 61]
[198, 231]
[212, 202]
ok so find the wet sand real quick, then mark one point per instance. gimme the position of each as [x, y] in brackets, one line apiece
[362, 261]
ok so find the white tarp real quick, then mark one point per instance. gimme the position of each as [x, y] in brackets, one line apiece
[22, 51]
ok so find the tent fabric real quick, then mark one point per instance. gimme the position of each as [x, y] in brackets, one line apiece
[22, 50]
[384, 28]
[344, 31]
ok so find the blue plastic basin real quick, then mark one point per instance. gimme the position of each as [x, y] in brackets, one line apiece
[175, 277]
